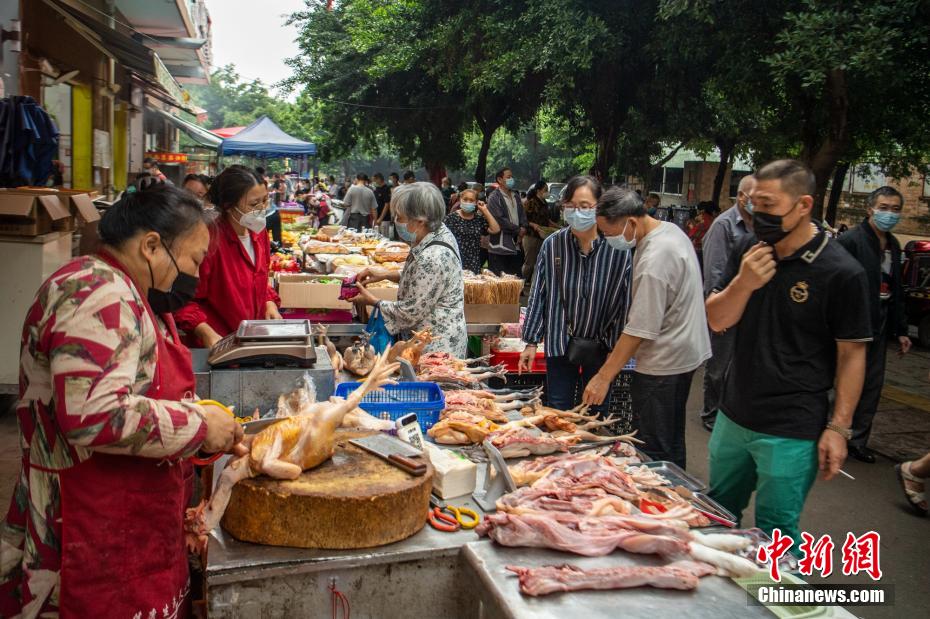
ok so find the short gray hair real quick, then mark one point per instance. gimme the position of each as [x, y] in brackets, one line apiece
[620, 202]
[421, 201]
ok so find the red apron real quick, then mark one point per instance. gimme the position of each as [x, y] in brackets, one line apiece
[122, 517]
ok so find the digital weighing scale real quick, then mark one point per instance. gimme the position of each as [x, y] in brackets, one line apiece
[266, 343]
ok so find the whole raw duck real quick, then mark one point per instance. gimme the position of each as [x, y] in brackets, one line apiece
[412, 349]
[360, 356]
[284, 450]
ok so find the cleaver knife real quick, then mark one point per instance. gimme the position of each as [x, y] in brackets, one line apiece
[395, 451]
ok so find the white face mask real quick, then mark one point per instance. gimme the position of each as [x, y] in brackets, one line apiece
[253, 220]
[620, 241]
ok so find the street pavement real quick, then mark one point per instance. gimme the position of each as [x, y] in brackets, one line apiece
[873, 501]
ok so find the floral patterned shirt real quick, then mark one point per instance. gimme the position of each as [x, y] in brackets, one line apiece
[89, 352]
[431, 294]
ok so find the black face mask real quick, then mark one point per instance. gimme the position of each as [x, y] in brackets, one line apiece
[182, 290]
[768, 227]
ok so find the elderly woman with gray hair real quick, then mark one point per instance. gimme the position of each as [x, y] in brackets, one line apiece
[431, 293]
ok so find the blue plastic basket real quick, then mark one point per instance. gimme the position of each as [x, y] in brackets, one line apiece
[394, 401]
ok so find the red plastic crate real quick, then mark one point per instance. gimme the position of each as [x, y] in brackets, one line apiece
[511, 360]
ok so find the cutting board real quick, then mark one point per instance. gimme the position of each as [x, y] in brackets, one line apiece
[353, 500]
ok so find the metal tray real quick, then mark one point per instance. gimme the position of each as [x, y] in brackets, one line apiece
[675, 475]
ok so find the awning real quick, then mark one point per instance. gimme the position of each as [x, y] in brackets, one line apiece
[263, 138]
[227, 132]
[130, 53]
[195, 132]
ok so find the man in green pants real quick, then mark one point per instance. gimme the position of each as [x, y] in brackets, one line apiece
[799, 304]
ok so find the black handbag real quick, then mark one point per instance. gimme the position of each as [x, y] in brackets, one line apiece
[586, 351]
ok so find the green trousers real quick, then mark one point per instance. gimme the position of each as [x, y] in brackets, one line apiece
[780, 470]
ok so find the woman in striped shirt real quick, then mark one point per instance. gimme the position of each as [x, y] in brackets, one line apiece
[581, 290]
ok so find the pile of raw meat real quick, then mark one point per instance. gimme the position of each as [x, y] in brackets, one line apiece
[585, 504]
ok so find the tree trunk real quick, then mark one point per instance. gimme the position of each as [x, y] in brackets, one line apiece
[605, 154]
[839, 177]
[823, 158]
[726, 148]
[481, 168]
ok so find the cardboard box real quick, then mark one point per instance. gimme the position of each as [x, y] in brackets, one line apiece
[26, 213]
[78, 203]
[491, 314]
[304, 291]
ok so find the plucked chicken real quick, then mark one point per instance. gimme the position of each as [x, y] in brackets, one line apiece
[360, 356]
[284, 450]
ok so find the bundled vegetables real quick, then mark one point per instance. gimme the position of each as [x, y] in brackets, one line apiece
[489, 289]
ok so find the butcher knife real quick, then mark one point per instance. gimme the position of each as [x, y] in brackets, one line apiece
[395, 451]
[254, 427]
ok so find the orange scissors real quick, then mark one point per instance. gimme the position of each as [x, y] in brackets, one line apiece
[442, 521]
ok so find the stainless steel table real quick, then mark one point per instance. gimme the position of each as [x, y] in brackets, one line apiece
[714, 598]
[422, 576]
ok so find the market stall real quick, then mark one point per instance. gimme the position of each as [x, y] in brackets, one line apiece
[544, 487]
[341, 502]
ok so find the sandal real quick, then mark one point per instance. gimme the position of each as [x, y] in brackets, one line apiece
[917, 500]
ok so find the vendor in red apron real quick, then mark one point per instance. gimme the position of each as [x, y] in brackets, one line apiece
[95, 526]
[234, 276]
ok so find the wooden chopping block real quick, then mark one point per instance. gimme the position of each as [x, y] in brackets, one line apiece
[353, 500]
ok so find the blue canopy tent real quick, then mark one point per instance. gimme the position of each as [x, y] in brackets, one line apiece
[265, 140]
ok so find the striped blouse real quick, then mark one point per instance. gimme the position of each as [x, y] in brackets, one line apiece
[595, 290]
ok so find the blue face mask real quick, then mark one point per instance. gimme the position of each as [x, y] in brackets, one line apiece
[511, 182]
[749, 206]
[620, 242]
[404, 233]
[469, 207]
[580, 219]
[885, 220]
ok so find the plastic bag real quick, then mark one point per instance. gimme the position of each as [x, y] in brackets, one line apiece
[294, 403]
[381, 338]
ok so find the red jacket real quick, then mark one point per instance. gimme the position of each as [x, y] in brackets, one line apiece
[232, 288]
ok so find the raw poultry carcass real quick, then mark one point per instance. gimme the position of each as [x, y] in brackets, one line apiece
[284, 450]
[529, 396]
[527, 472]
[360, 356]
[461, 428]
[466, 377]
[323, 340]
[578, 501]
[516, 441]
[446, 359]
[601, 535]
[548, 579]
[477, 397]
[411, 349]
[465, 401]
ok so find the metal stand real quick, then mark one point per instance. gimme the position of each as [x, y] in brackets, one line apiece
[497, 480]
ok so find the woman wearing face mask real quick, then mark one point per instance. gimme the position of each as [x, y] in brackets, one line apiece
[468, 223]
[95, 528]
[539, 226]
[579, 298]
[431, 292]
[234, 276]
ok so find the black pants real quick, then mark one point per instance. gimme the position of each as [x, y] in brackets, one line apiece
[715, 371]
[357, 221]
[510, 264]
[659, 414]
[565, 382]
[871, 391]
[273, 223]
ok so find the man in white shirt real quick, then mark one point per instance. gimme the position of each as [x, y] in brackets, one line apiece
[360, 204]
[666, 325]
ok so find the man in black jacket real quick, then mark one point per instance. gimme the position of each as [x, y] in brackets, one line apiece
[879, 252]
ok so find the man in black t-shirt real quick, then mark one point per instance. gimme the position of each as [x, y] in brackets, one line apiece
[382, 195]
[799, 305]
